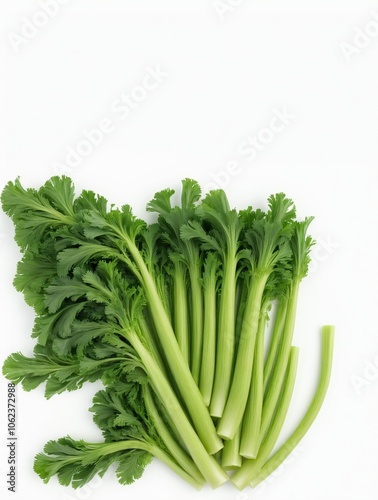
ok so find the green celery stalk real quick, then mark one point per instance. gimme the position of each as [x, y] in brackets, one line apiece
[249, 446]
[95, 451]
[225, 338]
[207, 465]
[196, 316]
[219, 231]
[276, 380]
[170, 221]
[328, 333]
[238, 396]
[180, 309]
[179, 369]
[231, 458]
[279, 322]
[170, 442]
[300, 245]
[251, 467]
[267, 241]
[210, 326]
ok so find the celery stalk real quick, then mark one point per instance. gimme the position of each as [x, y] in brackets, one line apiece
[325, 373]
[251, 468]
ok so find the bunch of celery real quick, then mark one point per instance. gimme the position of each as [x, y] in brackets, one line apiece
[171, 316]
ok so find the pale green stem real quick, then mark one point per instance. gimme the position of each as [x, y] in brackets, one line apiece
[174, 448]
[196, 321]
[251, 468]
[225, 338]
[276, 380]
[237, 399]
[279, 322]
[210, 329]
[205, 462]
[180, 309]
[325, 374]
[249, 446]
[187, 387]
[231, 458]
[99, 449]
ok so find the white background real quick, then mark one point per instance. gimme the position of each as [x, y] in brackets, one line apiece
[227, 73]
